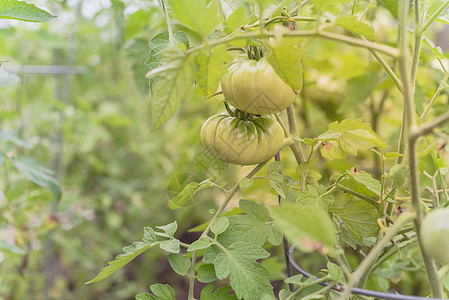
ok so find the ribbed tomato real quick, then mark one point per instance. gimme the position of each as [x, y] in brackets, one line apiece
[254, 87]
[242, 142]
[435, 234]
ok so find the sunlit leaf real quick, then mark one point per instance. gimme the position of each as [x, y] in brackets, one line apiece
[358, 216]
[20, 10]
[38, 174]
[309, 228]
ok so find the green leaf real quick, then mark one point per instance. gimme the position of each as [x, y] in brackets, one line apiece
[38, 174]
[398, 173]
[353, 135]
[236, 20]
[313, 197]
[363, 183]
[274, 168]
[20, 10]
[187, 197]
[169, 229]
[158, 44]
[172, 85]
[129, 253]
[206, 273]
[249, 279]
[208, 293]
[285, 58]
[277, 181]
[11, 137]
[7, 247]
[7, 79]
[347, 238]
[137, 53]
[245, 183]
[234, 211]
[171, 245]
[145, 296]
[334, 271]
[351, 23]
[163, 291]
[219, 225]
[179, 263]
[197, 15]
[358, 216]
[393, 268]
[149, 235]
[222, 266]
[201, 243]
[309, 228]
[212, 66]
[307, 170]
[295, 279]
[252, 209]
[255, 227]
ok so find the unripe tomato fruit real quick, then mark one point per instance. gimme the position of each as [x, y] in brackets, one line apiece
[242, 142]
[254, 87]
[435, 234]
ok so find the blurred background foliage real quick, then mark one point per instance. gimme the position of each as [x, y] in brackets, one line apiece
[92, 129]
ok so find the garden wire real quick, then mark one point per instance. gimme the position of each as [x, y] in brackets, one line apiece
[359, 291]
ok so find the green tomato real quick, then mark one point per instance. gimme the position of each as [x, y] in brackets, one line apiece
[242, 142]
[254, 87]
[435, 234]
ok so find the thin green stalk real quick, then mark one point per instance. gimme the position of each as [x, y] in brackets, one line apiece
[391, 51]
[429, 263]
[293, 130]
[437, 13]
[354, 7]
[318, 281]
[413, 134]
[387, 69]
[370, 259]
[416, 46]
[167, 20]
[192, 277]
[220, 210]
[397, 82]
[286, 133]
[392, 251]
[442, 86]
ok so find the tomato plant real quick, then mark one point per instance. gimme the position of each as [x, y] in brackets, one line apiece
[333, 194]
[349, 96]
[249, 141]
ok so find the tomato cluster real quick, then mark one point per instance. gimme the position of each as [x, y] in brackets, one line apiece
[248, 135]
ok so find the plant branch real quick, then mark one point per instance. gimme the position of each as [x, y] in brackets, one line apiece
[413, 134]
[167, 20]
[220, 210]
[368, 262]
[437, 13]
[416, 46]
[443, 85]
[391, 51]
